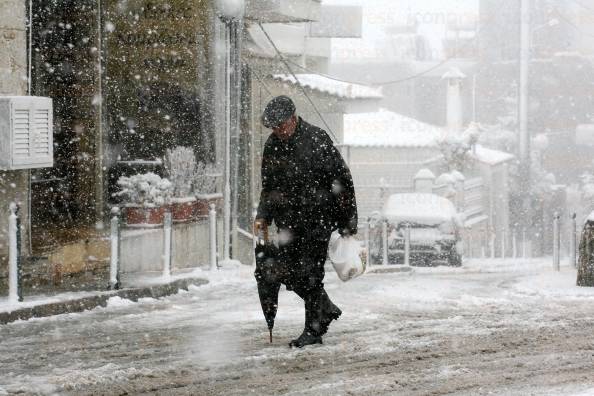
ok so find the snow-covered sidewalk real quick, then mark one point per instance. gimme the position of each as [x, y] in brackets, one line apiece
[132, 286]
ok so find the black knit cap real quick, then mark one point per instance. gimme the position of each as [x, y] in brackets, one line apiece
[277, 111]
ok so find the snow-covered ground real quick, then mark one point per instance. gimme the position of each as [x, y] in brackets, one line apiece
[491, 327]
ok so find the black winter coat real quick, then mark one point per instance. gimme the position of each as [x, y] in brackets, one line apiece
[306, 185]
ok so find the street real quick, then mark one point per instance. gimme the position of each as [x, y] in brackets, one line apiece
[491, 327]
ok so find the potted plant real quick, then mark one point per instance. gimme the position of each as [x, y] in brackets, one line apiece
[180, 166]
[147, 197]
[205, 186]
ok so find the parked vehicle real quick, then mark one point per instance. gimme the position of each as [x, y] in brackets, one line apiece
[434, 227]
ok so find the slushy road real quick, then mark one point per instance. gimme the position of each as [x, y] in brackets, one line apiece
[488, 328]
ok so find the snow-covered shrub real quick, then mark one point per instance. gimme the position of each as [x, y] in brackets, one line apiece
[146, 189]
[456, 147]
[180, 165]
[205, 179]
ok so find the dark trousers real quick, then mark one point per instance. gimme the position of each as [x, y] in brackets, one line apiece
[301, 262]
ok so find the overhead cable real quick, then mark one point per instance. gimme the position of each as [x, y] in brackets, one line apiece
[402, 80]
[282, 58]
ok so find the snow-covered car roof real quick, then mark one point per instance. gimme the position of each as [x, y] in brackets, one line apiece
[419, 208]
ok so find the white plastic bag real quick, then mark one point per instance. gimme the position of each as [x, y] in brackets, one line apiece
[345, 255]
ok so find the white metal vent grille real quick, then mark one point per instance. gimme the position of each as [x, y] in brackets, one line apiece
[26, 132]
[42, 129]
[21, 144]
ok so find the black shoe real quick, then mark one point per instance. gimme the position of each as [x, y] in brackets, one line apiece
[306, 338]
[328, 317]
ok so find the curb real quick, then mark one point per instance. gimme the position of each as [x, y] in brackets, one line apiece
[390, 270]
[87, 303]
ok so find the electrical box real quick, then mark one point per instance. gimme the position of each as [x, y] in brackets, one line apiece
[26, 132]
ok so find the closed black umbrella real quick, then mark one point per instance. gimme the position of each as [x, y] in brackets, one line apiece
[268, 280]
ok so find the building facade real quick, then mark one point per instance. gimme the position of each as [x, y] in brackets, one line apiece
[14, 185]
[129, 80]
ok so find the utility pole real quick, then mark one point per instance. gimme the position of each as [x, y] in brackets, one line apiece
[99, 130]
[231, 13]
[524, 145]
[524, 64]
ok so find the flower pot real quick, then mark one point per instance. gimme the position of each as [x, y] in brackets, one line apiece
[140, 216]
[182, 209]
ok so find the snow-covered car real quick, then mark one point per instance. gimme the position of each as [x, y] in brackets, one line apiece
[434, 229]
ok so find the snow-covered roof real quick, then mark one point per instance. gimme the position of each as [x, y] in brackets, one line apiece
[332, 87]
[389, 129]
[386, 128]
[419, 208]
[490, 156]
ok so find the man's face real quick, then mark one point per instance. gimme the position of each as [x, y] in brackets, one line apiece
[286, 129]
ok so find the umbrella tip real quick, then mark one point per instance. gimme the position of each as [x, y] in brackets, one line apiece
[270, 330]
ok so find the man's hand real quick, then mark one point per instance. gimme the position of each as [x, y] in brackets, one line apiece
[261, 229]
[344, 232]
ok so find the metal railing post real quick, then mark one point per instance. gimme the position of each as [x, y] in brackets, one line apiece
[503, 244]
[573, 242]
[167, 231]
[524, 243]
[254, 236]
[15, 286]
[492, 244]
[366, 236]
[514, 244]
[556, 242]
[384, 242]
[115, 238]
[483, 244]
[407, 245]
[212, 217]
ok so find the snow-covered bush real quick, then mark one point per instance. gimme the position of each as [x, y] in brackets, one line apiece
[180, 166]
[456, 147]
[146, 189]
[205, 179]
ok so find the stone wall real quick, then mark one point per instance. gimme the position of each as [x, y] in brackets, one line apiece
[13, 48]
[13, 81]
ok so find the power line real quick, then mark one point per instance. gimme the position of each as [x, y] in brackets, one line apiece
[414, 76]
[282, 58]
[402, 80]
[326, 75]
[260, 80]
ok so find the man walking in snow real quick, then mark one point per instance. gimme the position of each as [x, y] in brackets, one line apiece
[307, 190]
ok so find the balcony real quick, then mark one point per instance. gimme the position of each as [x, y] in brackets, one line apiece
[283, 11]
